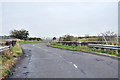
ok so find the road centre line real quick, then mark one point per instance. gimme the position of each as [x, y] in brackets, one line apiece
[75, 66]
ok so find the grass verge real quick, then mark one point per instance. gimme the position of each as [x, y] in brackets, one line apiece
[23, 42]
[81, 48]
[10, 57]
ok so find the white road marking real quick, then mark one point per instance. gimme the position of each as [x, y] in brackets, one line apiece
[75, 66]
[33, 45]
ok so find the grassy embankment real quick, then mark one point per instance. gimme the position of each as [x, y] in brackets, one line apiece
[88, 39]
[8, 60]
[10, 57]
[81, 48]
[23, 42]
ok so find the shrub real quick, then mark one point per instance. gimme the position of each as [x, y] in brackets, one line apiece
[7, 71]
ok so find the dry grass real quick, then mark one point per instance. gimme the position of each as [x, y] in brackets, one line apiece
[88, 39]
[9, 59]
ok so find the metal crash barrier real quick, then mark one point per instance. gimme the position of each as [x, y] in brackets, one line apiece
[100, 46]
[2, 48]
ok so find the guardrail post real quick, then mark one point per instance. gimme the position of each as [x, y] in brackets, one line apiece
[116, 51]
[104, 49]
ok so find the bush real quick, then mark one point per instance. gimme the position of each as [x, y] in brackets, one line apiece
[7, 71]
[4, 59]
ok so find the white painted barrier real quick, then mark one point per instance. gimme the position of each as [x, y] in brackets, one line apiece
[2, 48]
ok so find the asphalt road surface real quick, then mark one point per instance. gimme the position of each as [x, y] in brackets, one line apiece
[40, 61]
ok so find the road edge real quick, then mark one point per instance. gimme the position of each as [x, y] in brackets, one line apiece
[94, 53]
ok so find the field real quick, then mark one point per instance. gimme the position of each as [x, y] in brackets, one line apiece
[23, 42]
[88, 39]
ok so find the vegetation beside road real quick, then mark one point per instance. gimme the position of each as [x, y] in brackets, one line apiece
[23, 42]
[80, 48]
[10, 57]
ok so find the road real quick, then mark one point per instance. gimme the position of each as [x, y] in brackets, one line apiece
[40, 61]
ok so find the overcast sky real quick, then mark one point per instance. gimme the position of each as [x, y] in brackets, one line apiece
[49, 19]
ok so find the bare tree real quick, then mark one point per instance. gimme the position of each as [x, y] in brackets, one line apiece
[86, 35]
[110, 37]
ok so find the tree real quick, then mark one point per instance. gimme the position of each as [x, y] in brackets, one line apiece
[20, 34]
[34, 38]
[60, 38]
[109, 36]
[79, 37]
[68, 38]
[54, 38]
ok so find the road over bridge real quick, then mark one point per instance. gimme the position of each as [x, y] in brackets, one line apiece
[40, 61]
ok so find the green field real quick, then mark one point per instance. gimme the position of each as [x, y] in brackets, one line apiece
[23, 42]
